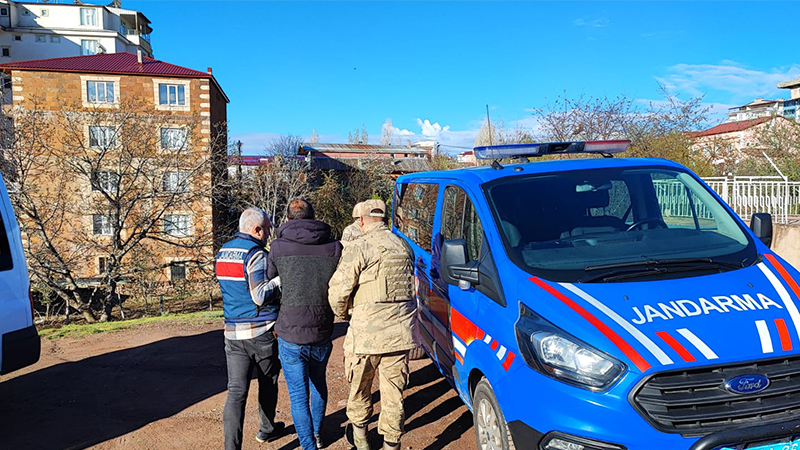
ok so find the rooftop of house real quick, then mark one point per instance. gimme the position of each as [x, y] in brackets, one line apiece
[359, 149]
[731, 127]
[789, 84]
[111, 63]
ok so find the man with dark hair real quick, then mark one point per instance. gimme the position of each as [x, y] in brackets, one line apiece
[305, 257]
[249, 300]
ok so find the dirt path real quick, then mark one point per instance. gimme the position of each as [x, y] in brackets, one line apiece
[162, 386]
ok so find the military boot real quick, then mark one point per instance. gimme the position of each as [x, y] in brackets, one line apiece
[360, 441]
[390, 446]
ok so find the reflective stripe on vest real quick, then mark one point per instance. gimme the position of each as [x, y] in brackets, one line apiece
[230, 269]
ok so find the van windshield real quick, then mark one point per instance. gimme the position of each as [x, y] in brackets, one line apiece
[616, 224]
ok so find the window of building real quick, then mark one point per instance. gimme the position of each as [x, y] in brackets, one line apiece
[172, 94]
[17, 37]
[415, 212]
[55, 39]
[41, 38]
[177, 224]
[89, 46]
[102, 265]
[6, 52]
[173, 138]
[45, 12]
[105, 181]
[103, 137]
[176, 182]
[100, 91]
[3, 12]
[177, 271]
[460, 221]
[102, 225]
[89, 16]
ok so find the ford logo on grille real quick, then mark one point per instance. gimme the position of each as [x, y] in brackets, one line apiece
[747, 384]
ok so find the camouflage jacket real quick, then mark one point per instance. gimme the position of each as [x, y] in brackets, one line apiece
[351, 232]
[375, 278]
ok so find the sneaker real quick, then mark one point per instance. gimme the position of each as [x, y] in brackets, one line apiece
[318, 439]
[278, 429]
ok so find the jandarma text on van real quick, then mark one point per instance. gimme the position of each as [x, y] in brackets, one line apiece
[687, 308]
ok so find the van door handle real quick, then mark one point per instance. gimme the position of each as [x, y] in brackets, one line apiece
[434, 273]
[421, 264]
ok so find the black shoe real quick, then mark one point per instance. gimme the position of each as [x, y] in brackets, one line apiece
[318, 438]
[278, 429]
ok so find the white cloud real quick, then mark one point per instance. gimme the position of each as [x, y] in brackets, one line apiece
[728, 79]
[432, 130]
[595, 23]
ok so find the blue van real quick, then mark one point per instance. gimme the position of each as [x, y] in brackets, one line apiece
[603, 303]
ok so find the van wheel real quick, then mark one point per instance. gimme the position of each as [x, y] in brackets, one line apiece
[491, 431]
[417, 353]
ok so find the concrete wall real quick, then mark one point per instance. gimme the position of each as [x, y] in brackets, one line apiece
[786, 243]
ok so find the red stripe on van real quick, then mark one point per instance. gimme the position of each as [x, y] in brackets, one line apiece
[784, 274]
[783, 332]
[462, 327]
[508, 361]
[632, 354]
[679, 349]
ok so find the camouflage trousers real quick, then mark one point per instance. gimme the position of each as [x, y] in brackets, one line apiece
[392, 371]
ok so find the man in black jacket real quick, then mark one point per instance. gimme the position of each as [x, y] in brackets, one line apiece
[305, 257]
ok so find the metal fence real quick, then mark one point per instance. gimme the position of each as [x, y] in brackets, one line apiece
[748, 195]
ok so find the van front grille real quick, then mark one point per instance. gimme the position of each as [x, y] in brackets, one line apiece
[695, 402]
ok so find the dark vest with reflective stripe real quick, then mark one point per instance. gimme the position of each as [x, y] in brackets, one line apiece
[231, 270]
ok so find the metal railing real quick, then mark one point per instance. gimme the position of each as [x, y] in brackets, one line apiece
[748, 195]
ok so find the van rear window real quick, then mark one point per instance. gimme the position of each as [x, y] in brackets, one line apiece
[6, 263]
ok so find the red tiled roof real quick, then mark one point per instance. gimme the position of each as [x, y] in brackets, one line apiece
[731, 127]
[115, 63]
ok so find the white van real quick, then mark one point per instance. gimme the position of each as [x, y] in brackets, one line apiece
[19, 341]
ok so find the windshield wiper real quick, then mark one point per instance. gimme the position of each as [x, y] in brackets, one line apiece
[625, 274]
[664, 262]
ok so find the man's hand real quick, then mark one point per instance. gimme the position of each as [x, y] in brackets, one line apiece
[276, 283]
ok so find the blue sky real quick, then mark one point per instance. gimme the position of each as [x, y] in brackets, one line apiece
[432, 67]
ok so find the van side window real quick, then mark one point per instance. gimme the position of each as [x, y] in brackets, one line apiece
[6, 263]
[414, 213]
[460, 220]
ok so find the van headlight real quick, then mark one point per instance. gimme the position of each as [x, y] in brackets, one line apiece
[557, 354]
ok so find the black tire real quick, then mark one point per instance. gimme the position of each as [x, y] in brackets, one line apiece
[491, 431]
[417, 353]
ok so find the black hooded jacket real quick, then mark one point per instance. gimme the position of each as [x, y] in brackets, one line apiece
[305, 257]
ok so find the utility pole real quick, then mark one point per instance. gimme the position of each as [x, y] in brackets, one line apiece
[239, 160]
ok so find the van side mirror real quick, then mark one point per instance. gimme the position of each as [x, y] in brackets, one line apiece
[761, 224]
[455, 267]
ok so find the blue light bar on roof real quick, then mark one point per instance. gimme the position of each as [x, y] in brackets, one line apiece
[550, 148]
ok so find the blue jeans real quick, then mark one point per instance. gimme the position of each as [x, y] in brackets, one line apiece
[303, 364]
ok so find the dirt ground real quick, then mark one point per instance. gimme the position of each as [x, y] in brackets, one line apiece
[162, 386]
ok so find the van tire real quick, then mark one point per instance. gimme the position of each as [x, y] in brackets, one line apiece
[417, 353]
[491, 430]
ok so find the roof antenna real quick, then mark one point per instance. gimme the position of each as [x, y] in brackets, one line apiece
[495, 164]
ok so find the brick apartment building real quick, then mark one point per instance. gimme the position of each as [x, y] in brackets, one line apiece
[179, 114]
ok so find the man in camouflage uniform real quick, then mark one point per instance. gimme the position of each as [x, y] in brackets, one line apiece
[375, 280]
[353, 231]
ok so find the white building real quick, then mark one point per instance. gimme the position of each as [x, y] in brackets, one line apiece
[53, 29]
[756, 109]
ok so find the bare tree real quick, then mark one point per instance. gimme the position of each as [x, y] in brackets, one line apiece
[364, 135]
[314, 137]
[98, 185]
[387, 132]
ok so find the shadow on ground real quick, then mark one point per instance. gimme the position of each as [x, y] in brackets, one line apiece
[90, 401]
[434, 387]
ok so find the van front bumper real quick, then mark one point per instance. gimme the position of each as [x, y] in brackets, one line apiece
[21, 348]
